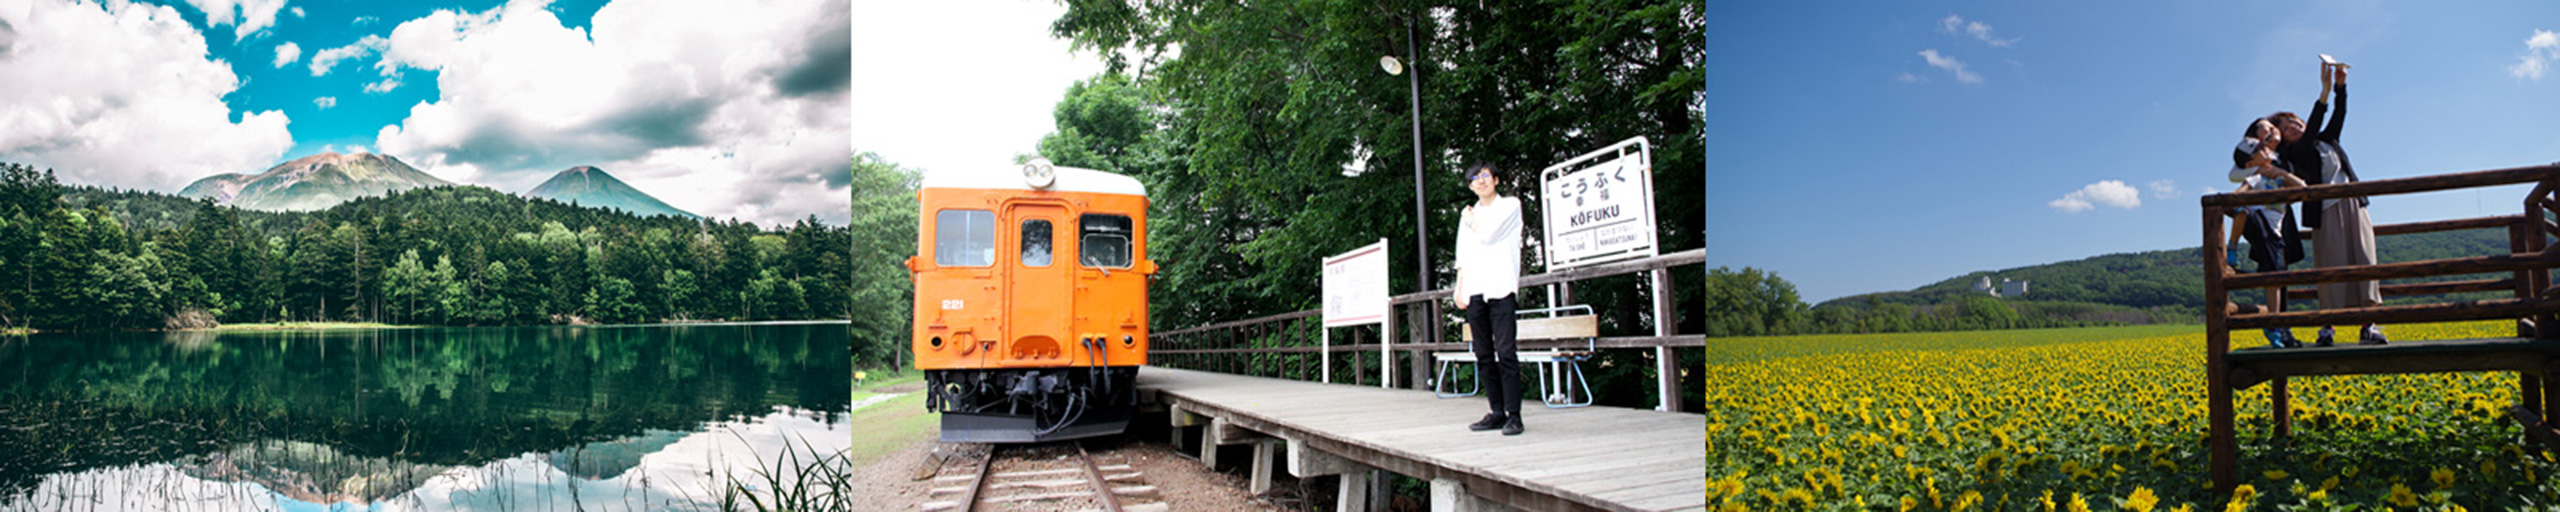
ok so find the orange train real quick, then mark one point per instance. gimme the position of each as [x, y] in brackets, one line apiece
[1031, 301]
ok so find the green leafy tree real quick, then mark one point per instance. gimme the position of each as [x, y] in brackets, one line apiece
[124, 290]
[613, 302]
[1271, 137]
[678, 288]
[496, 307]
[883, 294]
[404, 285]
[452, 293]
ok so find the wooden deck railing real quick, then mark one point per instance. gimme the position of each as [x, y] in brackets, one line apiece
[1286, 345]
[2532, 303]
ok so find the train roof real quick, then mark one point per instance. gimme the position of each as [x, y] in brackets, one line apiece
[1070, 179]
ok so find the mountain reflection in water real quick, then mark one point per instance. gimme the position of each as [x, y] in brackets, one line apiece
[599, 418]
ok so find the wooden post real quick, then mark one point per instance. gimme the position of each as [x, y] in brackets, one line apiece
[2225, 449]
[1666, 361]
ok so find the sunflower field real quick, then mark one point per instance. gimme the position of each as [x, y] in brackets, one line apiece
[2095, 419]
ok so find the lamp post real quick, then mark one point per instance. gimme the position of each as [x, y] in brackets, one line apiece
[1421, 237]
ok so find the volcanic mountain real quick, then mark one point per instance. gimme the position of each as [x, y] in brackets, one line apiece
[313, 182]
[591, 187]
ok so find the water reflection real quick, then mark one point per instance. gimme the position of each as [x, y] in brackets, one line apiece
[651, 417]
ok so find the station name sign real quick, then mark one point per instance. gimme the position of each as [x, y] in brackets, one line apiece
[1599, 206]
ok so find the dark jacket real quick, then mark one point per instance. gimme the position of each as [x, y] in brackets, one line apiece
[2308, 155]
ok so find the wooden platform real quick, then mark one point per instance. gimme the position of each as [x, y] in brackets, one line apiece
[2251, 366]
[1594, 458]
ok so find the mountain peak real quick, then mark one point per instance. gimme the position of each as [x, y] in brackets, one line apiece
[587, 185]
[313, 182]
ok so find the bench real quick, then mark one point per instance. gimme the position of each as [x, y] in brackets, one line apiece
[1559, 369]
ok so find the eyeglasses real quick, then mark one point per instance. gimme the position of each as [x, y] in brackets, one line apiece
[1479, 176]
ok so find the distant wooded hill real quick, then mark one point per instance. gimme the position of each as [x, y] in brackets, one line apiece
[85, 258]
[2142, 287]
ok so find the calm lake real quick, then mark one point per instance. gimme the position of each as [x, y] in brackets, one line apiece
[532, 418]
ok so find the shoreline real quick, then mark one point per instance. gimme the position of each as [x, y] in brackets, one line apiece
[328, 326]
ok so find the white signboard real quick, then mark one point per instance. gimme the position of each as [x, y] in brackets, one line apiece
[1355, 286]
[1599, 206]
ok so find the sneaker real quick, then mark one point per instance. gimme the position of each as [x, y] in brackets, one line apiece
[2232, 257]
[2289, 340]
[2373, 336]
[1513, 427]
[2275, 337]
[1491, 421]
[2325, 334]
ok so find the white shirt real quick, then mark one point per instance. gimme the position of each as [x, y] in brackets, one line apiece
[1489, 250]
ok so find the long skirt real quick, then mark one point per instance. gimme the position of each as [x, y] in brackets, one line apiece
[2345, 238]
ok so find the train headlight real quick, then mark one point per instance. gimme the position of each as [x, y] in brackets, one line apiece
[1127, 340]
[1039, 174]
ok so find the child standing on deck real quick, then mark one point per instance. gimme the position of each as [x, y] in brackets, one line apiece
[2274, 241]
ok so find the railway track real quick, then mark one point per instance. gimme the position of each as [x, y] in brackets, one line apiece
[1047, 476]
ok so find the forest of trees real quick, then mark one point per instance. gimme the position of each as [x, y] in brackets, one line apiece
[1752, 302]
[1272, 138]
[2116, 289]
[85, 258]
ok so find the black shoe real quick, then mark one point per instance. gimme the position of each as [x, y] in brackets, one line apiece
[2373, 336]
[1491, 421]
[1512, 428]
[2325, 333]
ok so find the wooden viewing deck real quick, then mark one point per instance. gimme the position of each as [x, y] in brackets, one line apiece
[1594, 458]
[2523, 273]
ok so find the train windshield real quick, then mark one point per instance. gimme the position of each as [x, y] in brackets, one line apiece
[1105, 241]
[964, 238]
[1035, 243]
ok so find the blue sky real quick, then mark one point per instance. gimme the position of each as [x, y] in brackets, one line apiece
[1846, 153]
[727, 109]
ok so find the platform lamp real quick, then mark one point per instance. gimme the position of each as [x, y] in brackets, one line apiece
[1421, 237]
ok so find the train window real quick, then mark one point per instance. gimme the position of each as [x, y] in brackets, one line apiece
[964, 238]
[1035, 243]
[1106, 241]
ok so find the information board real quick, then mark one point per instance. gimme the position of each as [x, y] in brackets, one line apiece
[1355, 286]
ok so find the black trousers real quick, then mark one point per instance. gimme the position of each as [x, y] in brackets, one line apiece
[1496, 325]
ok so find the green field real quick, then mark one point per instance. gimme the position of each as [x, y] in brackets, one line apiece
[2097, 419]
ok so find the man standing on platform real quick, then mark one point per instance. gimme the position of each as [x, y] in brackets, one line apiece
[1488, 274]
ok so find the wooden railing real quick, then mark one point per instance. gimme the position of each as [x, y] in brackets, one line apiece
[1289, 345]
[2532, 303]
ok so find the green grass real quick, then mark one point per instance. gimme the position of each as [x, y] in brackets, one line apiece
[889, 426]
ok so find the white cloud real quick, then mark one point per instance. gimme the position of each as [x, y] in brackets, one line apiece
[2539, 51]
[287, 53]
[1954, 24]
[123, 94]
[1907, 77]
[1952, 65]
[724, 110]
[386, 85]
[297, 12]
[1017, 75]
[2164, 189]
[329, 58]
[246, 16]
[325, 102]
[2105, 193]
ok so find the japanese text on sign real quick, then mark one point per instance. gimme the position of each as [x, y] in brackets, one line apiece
[1599, 206]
